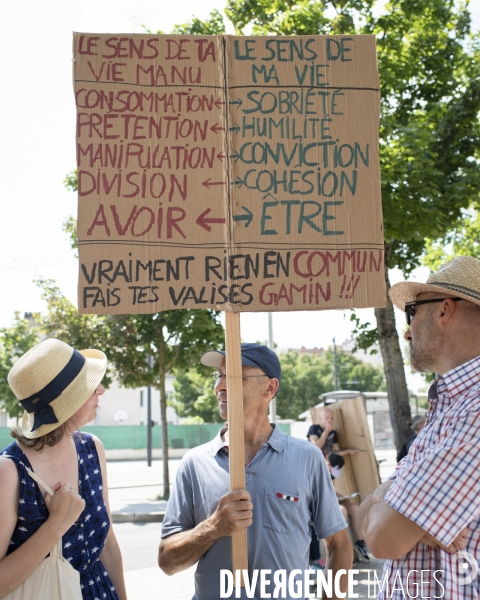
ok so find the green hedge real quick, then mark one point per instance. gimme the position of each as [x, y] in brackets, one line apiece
[135, 436]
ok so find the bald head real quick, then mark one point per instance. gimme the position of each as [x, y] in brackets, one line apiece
[325, 417]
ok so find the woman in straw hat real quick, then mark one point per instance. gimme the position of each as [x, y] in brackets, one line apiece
[59, 388]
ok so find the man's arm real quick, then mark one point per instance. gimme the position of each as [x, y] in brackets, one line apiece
[180, 551]
[389, 534]
[336, 450]
[339, 556]
[320, 441]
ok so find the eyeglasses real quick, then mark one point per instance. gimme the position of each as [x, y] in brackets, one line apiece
[410, 306]
[216, 377]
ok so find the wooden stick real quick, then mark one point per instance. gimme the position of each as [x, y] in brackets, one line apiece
[236, 429]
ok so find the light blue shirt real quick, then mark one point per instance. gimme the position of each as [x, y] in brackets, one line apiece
[290, 487]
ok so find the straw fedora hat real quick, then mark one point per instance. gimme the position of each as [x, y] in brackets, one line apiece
[459, 277]
[52, 381]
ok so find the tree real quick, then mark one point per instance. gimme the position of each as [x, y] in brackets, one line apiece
[305, 377]
[174, 339]
[194, 396]
[429, 136]
[14, 342]
[464, 240]
[213, 25]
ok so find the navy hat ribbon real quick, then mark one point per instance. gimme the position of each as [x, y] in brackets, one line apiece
[39, 403]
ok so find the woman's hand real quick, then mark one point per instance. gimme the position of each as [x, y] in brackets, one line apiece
[64, 507]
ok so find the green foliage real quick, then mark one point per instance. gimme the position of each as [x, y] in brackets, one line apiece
[306, 376]
[14, 342]
[464, 240]
[364, 334]
[69, 226]
[71, 181]
[213, 25]
[287, 17]
[174, 338]
[63, 321]
[194, 396]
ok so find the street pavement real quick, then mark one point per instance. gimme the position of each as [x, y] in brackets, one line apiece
[134, 489]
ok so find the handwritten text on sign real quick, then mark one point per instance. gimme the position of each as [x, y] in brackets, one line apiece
[227, 172]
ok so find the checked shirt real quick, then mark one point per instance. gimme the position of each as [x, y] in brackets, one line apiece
[437, 486]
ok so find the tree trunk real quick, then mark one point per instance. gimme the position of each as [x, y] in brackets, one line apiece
[163, 418]
[394, 370]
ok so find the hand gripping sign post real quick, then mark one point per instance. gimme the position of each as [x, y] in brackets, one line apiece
[230, 173]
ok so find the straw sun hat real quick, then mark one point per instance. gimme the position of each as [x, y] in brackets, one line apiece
[459, 277]
[52, 381]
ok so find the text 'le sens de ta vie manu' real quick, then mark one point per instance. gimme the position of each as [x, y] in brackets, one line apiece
[260, 53]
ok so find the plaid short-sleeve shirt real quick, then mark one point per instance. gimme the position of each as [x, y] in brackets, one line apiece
[437, 486]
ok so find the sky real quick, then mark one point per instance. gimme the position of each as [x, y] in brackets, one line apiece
[38, 141]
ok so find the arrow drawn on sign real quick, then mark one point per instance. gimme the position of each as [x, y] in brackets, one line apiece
[236, 129]
[221, 156]
[238, 102]
[218, 103]
[215, 128]
[204, 222]
[248, 216]
[235, 156]
[207, 183]
[238, 182]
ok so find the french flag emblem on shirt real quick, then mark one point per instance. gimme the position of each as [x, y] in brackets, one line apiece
[287, 497]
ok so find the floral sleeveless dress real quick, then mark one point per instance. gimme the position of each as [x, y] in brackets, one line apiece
[83, 543]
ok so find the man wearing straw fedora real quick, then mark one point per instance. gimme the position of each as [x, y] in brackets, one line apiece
[59, 388]
[426, 517]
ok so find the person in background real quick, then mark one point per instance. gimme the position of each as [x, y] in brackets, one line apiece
[59, 388]
[324, 436]
[418, 422]
[350, 512]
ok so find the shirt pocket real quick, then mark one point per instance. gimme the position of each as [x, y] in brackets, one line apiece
[280, 510]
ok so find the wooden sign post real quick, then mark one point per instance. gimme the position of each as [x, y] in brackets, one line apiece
[234, 173]
[235, 429]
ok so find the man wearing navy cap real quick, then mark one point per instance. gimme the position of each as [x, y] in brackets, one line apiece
[288, 487]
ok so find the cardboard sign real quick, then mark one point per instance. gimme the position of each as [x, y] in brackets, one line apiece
[232, 173]
[360, 472]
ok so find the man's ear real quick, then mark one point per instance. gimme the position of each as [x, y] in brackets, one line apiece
[272, 387]
[448, 308]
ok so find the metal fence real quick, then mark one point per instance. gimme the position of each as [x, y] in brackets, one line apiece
[135, 436]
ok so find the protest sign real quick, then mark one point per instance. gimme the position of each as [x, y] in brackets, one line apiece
[232, 173]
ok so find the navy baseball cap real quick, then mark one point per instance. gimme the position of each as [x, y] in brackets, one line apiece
[253, 355]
